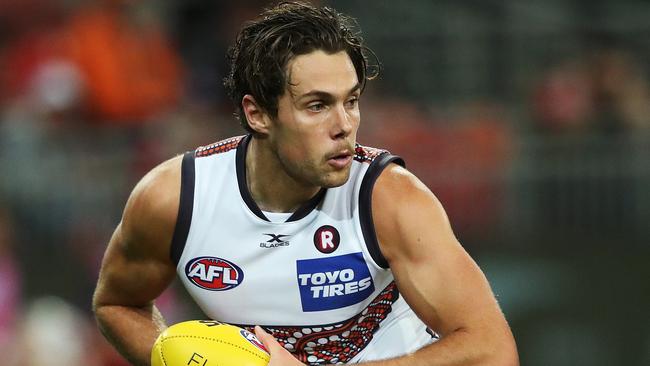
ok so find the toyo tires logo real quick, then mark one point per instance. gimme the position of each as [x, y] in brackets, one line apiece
[214, 274]
[333, 282]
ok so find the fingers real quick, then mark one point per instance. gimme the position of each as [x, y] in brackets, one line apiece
[279, 355]
[267, 340]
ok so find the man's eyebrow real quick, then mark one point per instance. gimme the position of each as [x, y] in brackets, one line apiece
[325, 95]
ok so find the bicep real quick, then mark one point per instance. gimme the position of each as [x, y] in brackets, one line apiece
[137, 266]
[444, 286]
[436, 276]
[129, 276]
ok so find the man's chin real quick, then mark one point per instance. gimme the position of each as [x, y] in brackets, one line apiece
[336, 179]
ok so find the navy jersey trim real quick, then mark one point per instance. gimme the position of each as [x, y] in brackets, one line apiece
[305, 209]
[365, 204]
[185, 207]
[240, 166]
[240, 163]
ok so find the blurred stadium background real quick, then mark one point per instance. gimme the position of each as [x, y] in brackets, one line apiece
[530, 119]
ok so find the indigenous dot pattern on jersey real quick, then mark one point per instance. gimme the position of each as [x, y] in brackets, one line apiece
[218, 147]
[361, 153]
[365, 154]
[339, 342]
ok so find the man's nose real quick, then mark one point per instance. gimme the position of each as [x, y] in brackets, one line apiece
[343, 124]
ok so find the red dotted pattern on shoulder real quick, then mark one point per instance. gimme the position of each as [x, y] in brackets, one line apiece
[218, 147]
[366, 154]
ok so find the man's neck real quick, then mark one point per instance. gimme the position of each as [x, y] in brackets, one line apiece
[269, 184]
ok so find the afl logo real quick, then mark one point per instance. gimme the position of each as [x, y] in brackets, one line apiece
[253, 339]
[327, 239]
[214, 274]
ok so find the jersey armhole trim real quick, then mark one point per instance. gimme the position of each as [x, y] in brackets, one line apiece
[185, 207]
[365, 205]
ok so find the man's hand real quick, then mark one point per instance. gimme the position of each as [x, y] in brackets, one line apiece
[279, 355]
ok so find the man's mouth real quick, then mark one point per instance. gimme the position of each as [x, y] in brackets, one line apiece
[340, 160]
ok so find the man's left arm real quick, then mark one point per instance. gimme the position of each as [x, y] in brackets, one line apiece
[437, 278]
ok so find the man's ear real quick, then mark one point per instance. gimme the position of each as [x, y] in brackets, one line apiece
[257, 118]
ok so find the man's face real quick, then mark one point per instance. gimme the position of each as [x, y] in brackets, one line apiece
[315, 131]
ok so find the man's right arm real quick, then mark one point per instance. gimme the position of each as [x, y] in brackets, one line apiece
[137, 267]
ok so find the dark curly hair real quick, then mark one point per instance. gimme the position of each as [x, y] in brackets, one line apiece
[266, 45]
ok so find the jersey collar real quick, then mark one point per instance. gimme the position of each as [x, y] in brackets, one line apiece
[240, 163]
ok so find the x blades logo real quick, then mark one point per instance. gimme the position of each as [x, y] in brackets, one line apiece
[275, 241]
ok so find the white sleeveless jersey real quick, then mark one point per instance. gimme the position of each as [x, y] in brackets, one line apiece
[317, 282]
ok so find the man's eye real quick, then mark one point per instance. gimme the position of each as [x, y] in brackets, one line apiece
[316, 107]
[353, 102]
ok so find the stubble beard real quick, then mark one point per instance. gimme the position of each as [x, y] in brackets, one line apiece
[311, 175]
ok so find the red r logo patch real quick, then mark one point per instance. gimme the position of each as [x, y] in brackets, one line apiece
[327, 239]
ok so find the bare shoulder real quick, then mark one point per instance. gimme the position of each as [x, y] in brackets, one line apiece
[397, 180]
[403, 206]
[150, 214]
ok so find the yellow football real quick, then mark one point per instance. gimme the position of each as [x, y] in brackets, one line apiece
[206, 343]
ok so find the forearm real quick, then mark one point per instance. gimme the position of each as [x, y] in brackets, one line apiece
[460, 348]
[131, 330]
